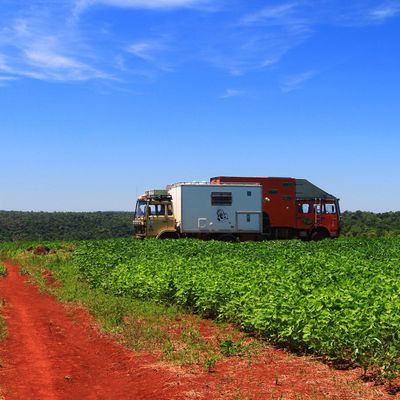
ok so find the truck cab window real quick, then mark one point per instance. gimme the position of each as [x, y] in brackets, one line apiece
[151, 209]
[330, 208]
[169, 209]
[304, 208]
[160, 210]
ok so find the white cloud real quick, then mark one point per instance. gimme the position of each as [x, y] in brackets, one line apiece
[251, 49]
[146, 49]
[384, 12]
[54, 74]
[54, 66]
[4, 78]
[48, 59]
[270, 13]
[149, 4]
[295, 82]
[35, 48]
[43, 41]
[21, 27]
[264, 36]
[232, 93]
[270, 61]
[153, 51]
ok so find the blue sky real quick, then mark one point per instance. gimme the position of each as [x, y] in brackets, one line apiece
[102, 99]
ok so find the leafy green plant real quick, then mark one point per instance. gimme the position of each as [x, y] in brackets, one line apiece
[210, 362]
[229, 347]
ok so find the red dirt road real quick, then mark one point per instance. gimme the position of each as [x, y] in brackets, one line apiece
[50, 355]
[54, 352]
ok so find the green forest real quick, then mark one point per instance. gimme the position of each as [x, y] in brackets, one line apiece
[369, 224]
[19, 225]
[32, 226]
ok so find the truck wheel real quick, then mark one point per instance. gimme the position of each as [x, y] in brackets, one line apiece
[318, 235]
[168, 235]
[228, 238]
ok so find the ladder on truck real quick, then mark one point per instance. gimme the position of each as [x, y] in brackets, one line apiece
[318, 211]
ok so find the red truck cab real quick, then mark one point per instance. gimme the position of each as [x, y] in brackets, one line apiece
[294, 208]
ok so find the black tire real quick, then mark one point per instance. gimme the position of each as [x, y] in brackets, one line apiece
[318, 235]
[228, 238]
[168, 235]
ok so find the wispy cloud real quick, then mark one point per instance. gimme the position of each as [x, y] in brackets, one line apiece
[384, 12]
[82, 5]
[233, 93]
[252, 54]
[4, 80]
[295, 82]
[59, 67]
[60, 43]
[50, 43]
[262, 38]
[45, 58]
[144, 49]
[33, 47]
[153, 51]
[7, 78]
[269, 13]
[355, 13]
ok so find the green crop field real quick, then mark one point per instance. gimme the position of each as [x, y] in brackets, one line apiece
[339, 298]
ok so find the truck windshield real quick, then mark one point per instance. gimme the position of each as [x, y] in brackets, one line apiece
[140, 207]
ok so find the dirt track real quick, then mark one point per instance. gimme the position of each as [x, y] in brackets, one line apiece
[53, 354]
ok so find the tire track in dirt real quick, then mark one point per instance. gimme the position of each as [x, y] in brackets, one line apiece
[50, 355]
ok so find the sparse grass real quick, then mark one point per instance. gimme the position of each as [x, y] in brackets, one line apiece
[3, 270]
[23, 271]
[3, 327]
[209, 363]
[189, 347]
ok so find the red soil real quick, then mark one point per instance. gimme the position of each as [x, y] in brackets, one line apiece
[54, 352]
[52, 355]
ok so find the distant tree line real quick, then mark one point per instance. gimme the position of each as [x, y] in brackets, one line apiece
[18, 225]
[369, 224]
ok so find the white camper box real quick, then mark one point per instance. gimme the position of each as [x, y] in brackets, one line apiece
[209, 208]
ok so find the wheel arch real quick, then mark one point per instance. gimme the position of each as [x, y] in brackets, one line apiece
[168, 234]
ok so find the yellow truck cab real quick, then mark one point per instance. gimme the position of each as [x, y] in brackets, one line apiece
[154, 216]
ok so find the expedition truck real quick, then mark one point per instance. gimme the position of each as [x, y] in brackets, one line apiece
[238, 208]
[293, 208]
[200, 210]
